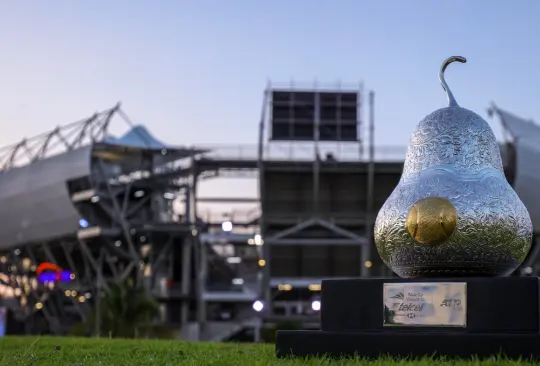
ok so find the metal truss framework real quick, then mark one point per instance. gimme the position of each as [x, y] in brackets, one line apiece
[103, 255]
[96, 254]
[64, 304]
[99, 255]
[201, 169]
[142, 267]
[62, 139]
[59, 140]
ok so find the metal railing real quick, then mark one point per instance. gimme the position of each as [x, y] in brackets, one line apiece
[304, 151]
[235, 216]
[316, 85]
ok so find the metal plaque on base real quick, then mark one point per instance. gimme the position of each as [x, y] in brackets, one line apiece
[435, 304]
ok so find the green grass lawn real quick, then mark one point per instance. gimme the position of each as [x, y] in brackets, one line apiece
[29, 351]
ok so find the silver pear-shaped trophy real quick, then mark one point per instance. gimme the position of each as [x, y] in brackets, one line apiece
[453, 229]
[453, 212]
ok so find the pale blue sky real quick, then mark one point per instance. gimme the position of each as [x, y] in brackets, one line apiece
[194, 71]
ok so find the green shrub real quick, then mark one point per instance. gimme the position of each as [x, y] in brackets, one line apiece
[126, 311]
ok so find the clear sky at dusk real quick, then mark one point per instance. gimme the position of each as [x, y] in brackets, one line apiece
[194, 71]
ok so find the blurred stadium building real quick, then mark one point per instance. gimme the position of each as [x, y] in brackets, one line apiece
[87, 208]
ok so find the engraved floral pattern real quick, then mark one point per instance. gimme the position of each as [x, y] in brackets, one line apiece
[453, 154]
[452, 136]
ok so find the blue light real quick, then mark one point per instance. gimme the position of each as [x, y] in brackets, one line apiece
[65, 276]
[83, 223]
[47, 277]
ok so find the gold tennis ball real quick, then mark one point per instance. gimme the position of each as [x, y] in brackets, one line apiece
[432, 220]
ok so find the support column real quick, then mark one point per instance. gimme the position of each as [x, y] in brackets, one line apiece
[187, 245]
[125, 226]
[53, 259]
[54, 324]
[317, 160]
[367, 248]
[99, 288]
[199, 250]
[264, 290]
[201, 285]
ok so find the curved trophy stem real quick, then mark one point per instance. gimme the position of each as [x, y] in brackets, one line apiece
[451, 100]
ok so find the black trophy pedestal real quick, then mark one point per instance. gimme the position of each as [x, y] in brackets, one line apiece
[502, 318]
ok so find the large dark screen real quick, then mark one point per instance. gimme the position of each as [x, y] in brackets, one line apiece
[295, 113]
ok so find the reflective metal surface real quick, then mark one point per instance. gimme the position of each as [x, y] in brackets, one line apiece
[439, 304]
[453, 155]
[451, 100]
[523, 155]
[35, 204]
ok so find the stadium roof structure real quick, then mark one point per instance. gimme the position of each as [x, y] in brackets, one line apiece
[518, 127]
[525, 143]
[88, 202]
[90, 130]
[137, 137]
[36, 173]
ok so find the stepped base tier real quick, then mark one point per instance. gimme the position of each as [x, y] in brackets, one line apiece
[455, 318]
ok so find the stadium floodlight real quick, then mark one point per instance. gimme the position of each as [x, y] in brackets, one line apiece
[226, 226]
[258, 306]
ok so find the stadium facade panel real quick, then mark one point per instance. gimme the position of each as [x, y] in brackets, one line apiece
[35, 203]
